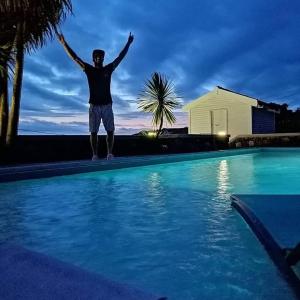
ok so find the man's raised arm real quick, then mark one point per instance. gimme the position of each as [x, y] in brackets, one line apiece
[69, 51]
[123, 52]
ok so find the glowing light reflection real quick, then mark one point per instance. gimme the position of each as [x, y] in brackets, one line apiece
[223, 177]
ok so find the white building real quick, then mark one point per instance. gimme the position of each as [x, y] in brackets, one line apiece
[223, 112]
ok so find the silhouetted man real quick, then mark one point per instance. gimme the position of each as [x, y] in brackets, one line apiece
[99, 78]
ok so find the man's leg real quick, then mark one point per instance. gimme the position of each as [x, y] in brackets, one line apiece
[109, 125]
[109, 143]
[94, 123]
[94, 144]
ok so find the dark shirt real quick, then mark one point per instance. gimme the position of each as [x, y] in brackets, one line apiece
[99, 83]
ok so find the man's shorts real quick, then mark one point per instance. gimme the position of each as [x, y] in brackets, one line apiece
[98, 112]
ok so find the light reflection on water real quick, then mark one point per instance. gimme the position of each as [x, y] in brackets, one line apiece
[223, 177]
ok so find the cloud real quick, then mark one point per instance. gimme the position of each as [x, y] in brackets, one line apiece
[34, 126]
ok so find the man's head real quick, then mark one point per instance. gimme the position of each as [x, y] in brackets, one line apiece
[98, 56]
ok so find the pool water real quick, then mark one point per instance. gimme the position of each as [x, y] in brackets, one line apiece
[168, 229]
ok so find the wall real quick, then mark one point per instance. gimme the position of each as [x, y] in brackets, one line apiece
[29, 149]
[266, 140]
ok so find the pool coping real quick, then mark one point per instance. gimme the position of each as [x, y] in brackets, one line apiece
[44, 170]
[267, 240]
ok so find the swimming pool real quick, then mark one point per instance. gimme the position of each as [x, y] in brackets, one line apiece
[166, 228]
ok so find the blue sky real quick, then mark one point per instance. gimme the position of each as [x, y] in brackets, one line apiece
[250, 46]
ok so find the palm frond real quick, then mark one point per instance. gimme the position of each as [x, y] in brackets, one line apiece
[147, 106]
[171, 119]
[40, 19]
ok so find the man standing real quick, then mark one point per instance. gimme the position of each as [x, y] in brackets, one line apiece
[99, 78]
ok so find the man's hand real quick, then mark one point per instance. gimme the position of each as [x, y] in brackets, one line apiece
[122, 54]
[130, 38]
[69, 51]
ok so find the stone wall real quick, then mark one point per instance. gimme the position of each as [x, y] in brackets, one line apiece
[266, 140]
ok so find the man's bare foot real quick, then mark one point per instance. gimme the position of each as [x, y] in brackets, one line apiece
[110, 156]
[95, 157]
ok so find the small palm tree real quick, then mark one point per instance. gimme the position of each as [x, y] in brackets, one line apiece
[160, 99]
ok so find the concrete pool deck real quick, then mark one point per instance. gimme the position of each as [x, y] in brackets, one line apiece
[29, 275]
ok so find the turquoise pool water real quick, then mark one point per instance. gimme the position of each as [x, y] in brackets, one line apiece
[168, 229]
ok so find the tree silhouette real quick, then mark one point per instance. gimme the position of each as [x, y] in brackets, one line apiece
[27, 24]
[160, 99]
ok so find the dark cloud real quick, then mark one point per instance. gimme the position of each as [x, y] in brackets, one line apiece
[248, 46]
[34, 126]
[133, 115]
[36, 95]
[128, 130]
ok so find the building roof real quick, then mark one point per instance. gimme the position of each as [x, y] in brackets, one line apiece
[270, 106]
[231, 91]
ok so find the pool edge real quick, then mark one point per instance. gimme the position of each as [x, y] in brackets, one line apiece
[269, 243]
[45, 170]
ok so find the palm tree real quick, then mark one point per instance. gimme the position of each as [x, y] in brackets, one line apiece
[31, 23]
[159, 98]
[3, 102]
[7, 32]
[6, 58]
